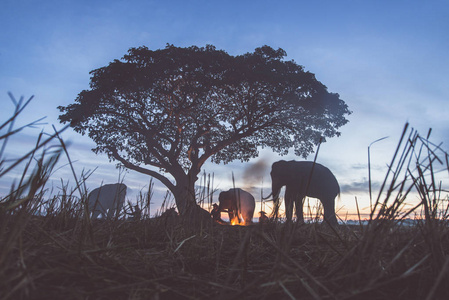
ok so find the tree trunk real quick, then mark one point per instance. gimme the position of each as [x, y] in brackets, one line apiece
[184, 193]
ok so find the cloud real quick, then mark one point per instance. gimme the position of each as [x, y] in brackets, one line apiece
[357, 187]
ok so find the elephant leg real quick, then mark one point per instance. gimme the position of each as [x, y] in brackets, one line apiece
[238, 215]
[299, 204]
[329, 211]
[247, 218]
[288, 204]
[230, 215]
[111, 213]
[95, 214]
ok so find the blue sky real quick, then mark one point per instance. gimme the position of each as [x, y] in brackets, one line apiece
[387, 59]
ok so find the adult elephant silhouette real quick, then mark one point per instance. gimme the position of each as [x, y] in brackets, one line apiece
[238, 203]
[301, 179]
[108, 199]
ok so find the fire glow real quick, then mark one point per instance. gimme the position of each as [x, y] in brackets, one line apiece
[235, 221]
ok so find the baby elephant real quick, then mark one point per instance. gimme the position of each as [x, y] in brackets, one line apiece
[238, 203]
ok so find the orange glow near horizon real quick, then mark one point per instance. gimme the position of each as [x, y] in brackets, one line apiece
[345, 209]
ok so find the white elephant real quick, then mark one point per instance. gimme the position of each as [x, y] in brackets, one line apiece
[238, 203]
[107, 200]
[295, 176]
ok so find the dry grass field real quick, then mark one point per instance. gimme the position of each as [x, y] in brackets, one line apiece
[64, 256]
[51, 249]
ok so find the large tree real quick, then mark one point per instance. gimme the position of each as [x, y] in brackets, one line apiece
[170, 110]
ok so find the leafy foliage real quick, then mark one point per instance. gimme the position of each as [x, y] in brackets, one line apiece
[174, 108]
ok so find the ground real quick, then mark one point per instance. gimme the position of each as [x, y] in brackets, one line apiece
[64, 257]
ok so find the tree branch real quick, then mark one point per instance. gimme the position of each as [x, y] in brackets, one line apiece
[164, 180]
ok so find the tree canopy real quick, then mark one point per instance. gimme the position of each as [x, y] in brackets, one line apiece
[172, 109]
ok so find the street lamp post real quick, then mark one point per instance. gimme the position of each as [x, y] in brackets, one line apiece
[369, 172]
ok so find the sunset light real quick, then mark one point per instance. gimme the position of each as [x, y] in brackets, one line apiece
[224, 149]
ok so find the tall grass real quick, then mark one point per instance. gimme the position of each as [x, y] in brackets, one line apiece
[50, 247]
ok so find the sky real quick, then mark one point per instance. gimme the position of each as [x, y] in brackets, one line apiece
[387, 60]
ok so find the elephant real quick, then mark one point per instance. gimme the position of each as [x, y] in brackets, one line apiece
[229, 201]
[107, 200]
[295, 176]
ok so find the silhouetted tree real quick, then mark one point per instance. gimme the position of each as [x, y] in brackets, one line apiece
[170, 110]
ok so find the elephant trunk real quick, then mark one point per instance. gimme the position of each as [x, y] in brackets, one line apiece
[274, 195]
[275, 191]
[267, 197]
